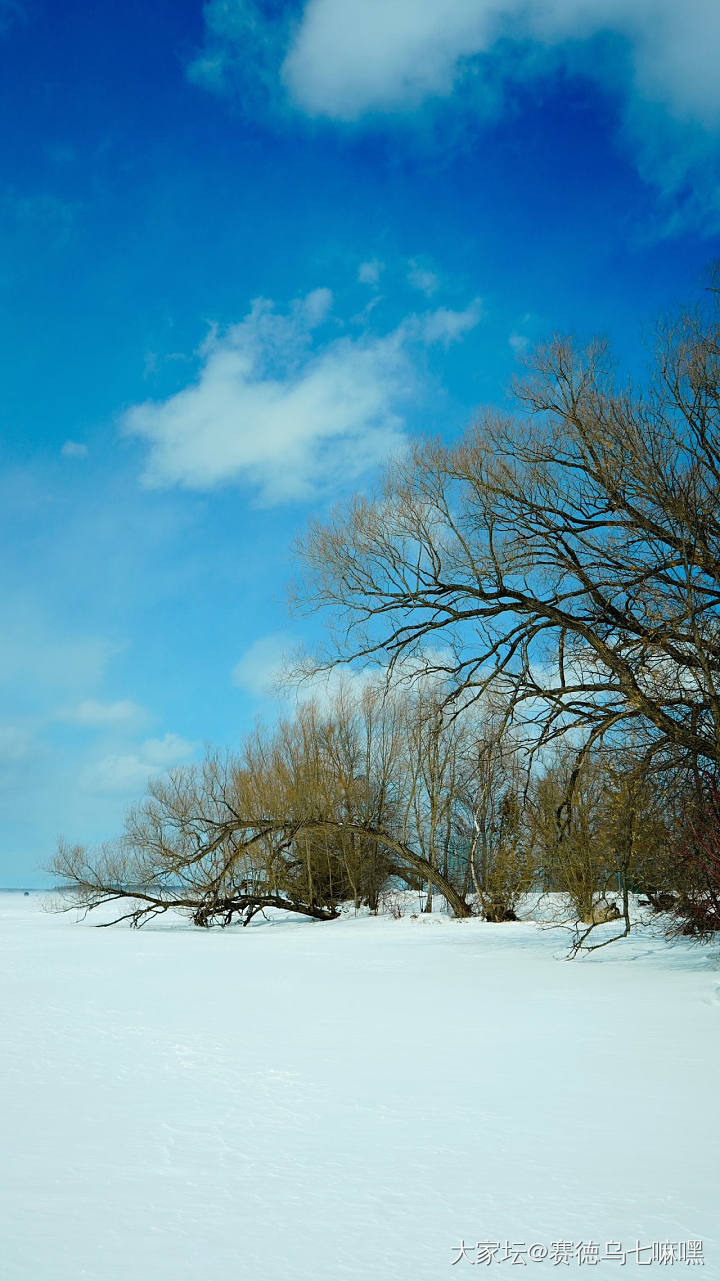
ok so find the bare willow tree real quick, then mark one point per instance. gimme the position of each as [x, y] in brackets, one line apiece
[574, 858]
[618, 838]
[309, 815]
[196, 844]
[491, 817]
[567, 556]
[430, 777]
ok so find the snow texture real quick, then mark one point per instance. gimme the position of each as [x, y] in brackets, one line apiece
[326, 1102]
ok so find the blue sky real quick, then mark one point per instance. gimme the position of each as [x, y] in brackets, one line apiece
[247, 251]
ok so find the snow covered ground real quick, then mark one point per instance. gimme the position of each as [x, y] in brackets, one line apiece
[320, 1102]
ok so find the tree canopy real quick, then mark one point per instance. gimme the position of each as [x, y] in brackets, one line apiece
[566, 557]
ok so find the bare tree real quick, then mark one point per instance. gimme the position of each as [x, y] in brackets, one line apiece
[573, 856]
[430, 782]
[491, 818]
[311, 814]
[615, 840]
[567, 557]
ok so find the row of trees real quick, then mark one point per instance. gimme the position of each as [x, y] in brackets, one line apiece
[385, 789]
[325, 808]
[548, 589]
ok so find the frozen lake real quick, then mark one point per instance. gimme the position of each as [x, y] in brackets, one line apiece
[320, 1102]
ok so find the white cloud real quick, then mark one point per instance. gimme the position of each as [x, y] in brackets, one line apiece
[235, 32]
[129, 772]
[519, 343]
[93, 714]
[422, 278]
[270, 410]
[262, 665]
[347, 59]
[445, 326]
[369, 272]
[353, 56]
[74, 449]
[284, 410]
[264, 669]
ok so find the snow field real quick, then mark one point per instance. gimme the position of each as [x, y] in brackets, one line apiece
[323, 1102]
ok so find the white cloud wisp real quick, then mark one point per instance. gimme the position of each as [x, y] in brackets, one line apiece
[347, 60]
[286, 411]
